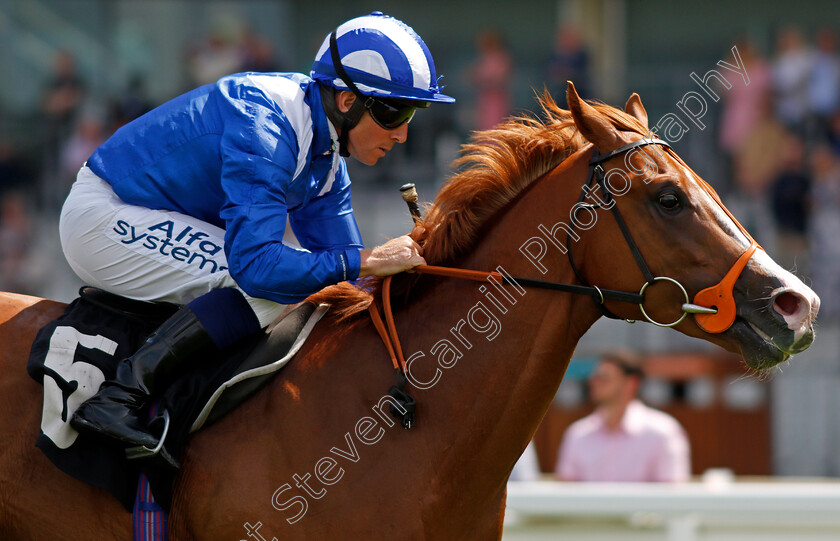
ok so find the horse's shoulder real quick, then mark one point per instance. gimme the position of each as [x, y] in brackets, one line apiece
[28, 309]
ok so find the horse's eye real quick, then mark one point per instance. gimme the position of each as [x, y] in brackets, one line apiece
[669, 201]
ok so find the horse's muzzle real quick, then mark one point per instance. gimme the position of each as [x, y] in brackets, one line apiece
[777, 311]
[797, 310]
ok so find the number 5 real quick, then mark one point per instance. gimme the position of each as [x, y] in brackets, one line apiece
[67, 384]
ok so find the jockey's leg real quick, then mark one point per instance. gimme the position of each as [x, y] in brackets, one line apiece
[194, 332]
[118, 411]
[146, 254]
[155, 255]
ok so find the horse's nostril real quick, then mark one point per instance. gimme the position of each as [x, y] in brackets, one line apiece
[787, 304]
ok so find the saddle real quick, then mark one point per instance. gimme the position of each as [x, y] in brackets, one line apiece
[72, 355]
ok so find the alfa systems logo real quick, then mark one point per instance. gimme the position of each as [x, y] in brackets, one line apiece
[179, 245]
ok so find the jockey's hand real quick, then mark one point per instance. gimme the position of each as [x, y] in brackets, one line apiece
[419, 234]
[395, 256]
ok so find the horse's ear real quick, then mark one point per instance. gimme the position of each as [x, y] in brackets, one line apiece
[591, 124]
[635, 108]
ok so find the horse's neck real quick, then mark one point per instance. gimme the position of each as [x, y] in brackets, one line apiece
[515, 346]
[483, 376]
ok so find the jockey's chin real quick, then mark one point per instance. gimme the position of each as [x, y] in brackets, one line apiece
[370, 156]
[368, 141]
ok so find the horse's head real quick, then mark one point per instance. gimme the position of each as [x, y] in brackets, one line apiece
[684, 232]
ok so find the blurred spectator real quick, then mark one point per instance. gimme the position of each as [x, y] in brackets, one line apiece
[62, 98]
[130, 104]
[569, 61]
[88, 135]
[14, 242]
[217, 56]
[63, 94]
[756, 163]
[834, 133]
[758, 157]
[743, 104]
[12, 170]
[824, 233]
[824, 87]
[791, 206]
[791, 77]
[256, 53]
[490, 75]
[231, 47]
[623, 440]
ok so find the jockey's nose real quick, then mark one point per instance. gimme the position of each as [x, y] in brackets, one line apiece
[400, 134]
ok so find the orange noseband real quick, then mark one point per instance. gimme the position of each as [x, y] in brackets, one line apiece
[720, 296]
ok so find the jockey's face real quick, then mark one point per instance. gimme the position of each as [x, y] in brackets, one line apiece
[368, 141]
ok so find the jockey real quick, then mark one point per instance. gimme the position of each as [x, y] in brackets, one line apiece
[233, 201]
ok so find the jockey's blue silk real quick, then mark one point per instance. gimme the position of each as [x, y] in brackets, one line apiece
[242, 154]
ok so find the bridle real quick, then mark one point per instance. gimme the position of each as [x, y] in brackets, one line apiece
[711, 315]
[597, 173]
[714, 307]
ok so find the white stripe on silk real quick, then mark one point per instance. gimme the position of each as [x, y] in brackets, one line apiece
[290, 98]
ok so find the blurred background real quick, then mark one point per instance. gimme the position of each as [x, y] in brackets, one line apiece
[73, 71]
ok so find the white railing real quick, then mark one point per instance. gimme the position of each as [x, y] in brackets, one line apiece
[767, 510]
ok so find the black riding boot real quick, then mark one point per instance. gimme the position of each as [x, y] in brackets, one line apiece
[118, 410]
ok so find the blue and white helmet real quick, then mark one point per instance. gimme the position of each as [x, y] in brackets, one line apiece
[383, 57]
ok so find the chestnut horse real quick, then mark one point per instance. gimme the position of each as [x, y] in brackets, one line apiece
[316, 455]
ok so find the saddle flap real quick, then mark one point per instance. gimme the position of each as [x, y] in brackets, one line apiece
[73, 354]
[282, 342]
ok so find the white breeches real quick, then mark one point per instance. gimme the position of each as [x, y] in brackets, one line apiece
[143, 253]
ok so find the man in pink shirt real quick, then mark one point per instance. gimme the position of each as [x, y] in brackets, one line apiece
[623, 440]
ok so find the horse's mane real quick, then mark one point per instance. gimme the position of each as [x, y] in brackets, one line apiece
[494, 168]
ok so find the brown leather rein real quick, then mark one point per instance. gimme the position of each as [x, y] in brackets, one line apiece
[388, 330]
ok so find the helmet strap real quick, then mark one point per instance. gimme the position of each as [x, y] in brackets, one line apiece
[354, 115]
[351, 118]
[343, 122]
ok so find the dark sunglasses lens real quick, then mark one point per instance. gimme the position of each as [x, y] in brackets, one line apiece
[390, 117]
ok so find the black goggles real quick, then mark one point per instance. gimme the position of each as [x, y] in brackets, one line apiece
[391, 114]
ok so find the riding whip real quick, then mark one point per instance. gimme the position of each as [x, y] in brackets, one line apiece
[409, 195]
